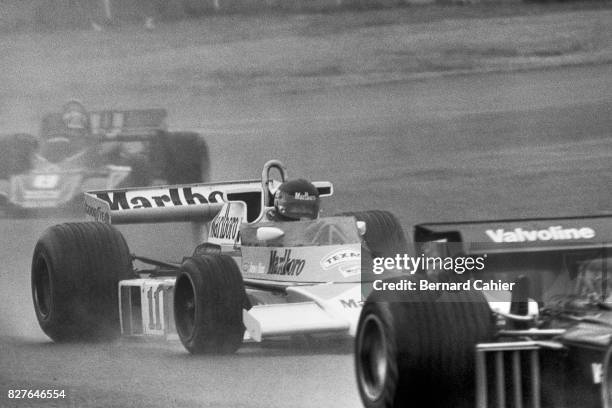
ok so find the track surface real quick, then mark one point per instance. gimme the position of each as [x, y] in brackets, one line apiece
[499, 145]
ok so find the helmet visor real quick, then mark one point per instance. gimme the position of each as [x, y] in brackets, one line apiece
[296, 208]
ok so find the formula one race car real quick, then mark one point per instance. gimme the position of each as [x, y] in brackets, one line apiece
[442, 345]
[79, 150]
[268, 265]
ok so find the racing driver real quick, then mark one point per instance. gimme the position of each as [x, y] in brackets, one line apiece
[295, 200]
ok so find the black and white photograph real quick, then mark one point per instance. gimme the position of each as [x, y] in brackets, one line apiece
[306, 203]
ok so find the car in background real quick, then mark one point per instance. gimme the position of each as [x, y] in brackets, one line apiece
[79, 150]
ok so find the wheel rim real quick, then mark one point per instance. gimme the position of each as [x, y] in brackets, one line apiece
[373, 364]
[42, 289]
[184, 307]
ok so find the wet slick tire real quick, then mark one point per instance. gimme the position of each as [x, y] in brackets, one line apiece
[76, 268]
[384, 234]
[419, 352]
[209, 296]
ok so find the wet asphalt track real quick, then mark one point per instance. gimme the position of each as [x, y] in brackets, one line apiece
[499, 145]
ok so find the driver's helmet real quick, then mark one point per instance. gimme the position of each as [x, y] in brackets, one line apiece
[75, 118]
[297, 200]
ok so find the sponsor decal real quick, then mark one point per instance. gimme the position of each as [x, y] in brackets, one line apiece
[284, 264]
[97, 213]
[304, 196]
[555, 233]
[252, 267]
[118, 200]
[340, 256]
[347, 260]
[597, 371]
[225, 227]
[351, 303]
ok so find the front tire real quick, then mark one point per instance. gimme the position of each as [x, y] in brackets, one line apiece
[419, 350]
[376, 357]
[209, 297]
[76, 268]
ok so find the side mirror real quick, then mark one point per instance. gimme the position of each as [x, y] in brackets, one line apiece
[269, 233]
[361, 227]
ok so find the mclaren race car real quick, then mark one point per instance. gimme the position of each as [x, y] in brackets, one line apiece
[79, 150]
[443, 345]
[267, 265]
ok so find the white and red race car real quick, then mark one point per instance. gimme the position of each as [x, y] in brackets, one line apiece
[250, 277]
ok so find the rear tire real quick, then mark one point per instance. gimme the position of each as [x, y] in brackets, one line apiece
[76, 268]
[384, 234]
[209, 297]
[420, 351]
[185, 158]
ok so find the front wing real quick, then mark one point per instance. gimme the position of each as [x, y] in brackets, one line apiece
[146, 309]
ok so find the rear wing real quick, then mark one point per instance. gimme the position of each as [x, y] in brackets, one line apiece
[113, 125]
[179, 203]
[127, 124]
[520, 235]
[195, 202]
